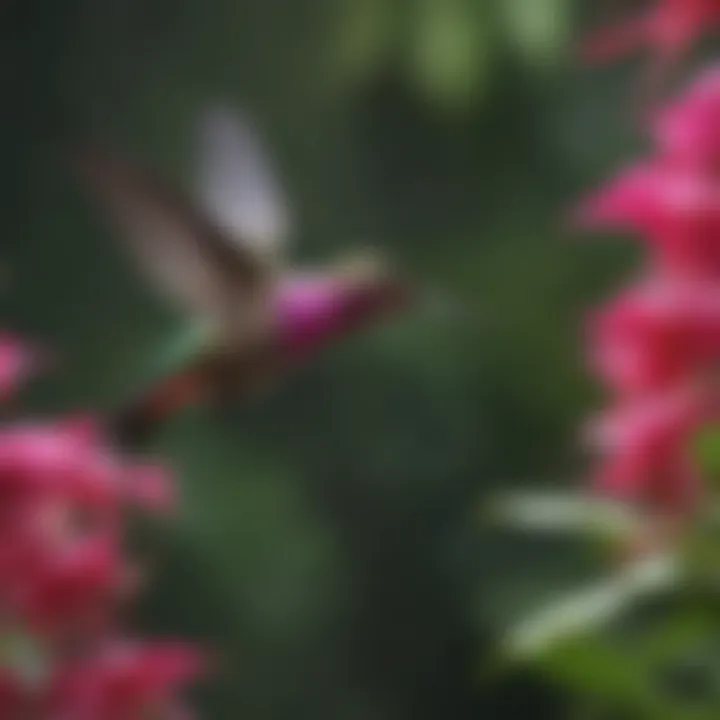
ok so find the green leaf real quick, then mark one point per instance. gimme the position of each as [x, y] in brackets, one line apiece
[678, 633]
[572, 512]
[537, 28]
[706, 446]
[595, 668]
[590, 609]
[450, 58]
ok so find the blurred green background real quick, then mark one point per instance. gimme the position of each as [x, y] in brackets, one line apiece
[330, 548]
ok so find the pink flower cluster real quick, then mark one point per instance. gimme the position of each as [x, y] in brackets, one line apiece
[669, 28]
[65, 580]
[657, 344]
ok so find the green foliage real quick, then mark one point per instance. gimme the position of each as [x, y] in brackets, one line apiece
[537, 31]
[448, 49]
[589, 610]
[707, 452]
[449, 54]
[662, 670]
[643, 640]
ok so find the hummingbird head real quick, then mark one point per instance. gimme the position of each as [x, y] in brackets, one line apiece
[313, 310]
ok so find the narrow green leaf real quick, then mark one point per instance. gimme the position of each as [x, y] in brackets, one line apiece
[564, 512]
[591, 608]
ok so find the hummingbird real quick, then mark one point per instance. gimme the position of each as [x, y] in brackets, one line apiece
[219, 253]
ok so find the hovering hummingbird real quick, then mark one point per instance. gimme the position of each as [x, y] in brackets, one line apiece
[221, 258]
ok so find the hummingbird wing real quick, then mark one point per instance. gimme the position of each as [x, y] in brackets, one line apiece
[238, 186]
[181, 250]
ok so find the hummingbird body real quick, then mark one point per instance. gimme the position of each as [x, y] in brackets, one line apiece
[221, 260]
[310, 313]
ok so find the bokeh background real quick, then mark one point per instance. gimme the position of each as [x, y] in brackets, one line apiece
[331, 548]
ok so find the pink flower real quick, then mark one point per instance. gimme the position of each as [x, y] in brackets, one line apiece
[645, 450]
[687, 130]
[17, 363]
[676, 212]
[669, 29]
[63, 492]
[673, 200]
[73, 590]
[64, 575]
[126, 681]
[656, 335]
[71, 461]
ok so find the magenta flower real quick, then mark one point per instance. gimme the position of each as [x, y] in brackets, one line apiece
[657, 344]
[62, 497]
[72, 462]
[652, 337]
[668, 29]
[126, 681]
[687, 130]
[672, 200]
[65, 576]
[674, 210]
[644, 451]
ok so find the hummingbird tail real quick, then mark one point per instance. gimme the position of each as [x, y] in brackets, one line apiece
[137, 422]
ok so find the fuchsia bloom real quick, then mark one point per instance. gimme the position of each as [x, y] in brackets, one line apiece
[75, 591]
[125, 681]
[676, 212]
[64, 576]
[645, 450]
[687, 131]
[673, 200]
[658, 344]
[669, 28]
[73, 462]
[656, 335]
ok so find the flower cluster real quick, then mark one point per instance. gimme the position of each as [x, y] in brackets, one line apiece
[64, 578]
[669, 28]
[657, 345]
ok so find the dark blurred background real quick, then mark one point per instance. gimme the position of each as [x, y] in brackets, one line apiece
[330, 549]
